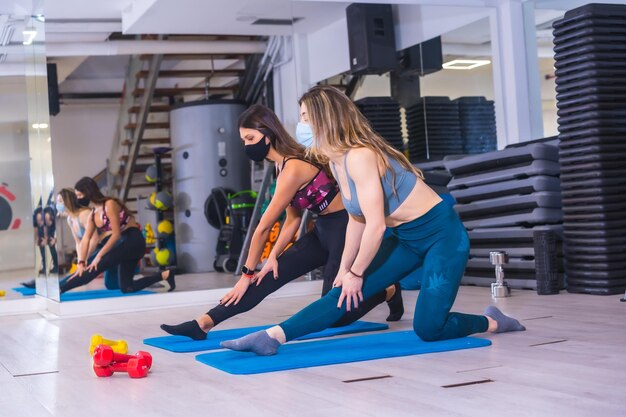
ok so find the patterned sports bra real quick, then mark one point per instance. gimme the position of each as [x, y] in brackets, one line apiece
[106, 222]
[317, 194]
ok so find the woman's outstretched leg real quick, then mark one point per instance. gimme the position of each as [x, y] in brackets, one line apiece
[301, 257]
[392, 263]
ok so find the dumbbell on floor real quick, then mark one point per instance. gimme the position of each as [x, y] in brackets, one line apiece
[135, 367]
[104, 355]
[118, 346]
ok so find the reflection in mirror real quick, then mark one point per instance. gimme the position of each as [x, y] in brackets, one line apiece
[45, 214]
[27, 250]
[457, 109]
[168, 147]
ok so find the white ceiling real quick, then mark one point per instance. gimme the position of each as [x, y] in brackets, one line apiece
[75, 21]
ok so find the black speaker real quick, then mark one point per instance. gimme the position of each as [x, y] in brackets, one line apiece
[424, 58]
[371, 38]
[405, 87]
[54, 106]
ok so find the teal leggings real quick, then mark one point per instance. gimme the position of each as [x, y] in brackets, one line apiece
[438, 242]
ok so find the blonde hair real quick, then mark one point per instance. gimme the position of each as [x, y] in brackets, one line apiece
[339, 125]
[70, 201]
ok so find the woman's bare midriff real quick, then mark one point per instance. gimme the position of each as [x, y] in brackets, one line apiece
[419, 202]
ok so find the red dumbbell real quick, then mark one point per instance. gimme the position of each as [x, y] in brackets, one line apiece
[104, 355]
[135, 367]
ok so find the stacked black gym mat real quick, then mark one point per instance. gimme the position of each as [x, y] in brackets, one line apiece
[590, 54]
[478, 124]
[505, 198]
[383, 114]
[434, 123]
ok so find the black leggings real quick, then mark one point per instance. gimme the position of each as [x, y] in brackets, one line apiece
[124, 256]
[53, 255]
[322, 246]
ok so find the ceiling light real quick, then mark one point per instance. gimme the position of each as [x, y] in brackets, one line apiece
[465, 64]
[40, 125]
[29, 36]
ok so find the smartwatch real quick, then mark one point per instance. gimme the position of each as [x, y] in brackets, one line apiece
[247, 271]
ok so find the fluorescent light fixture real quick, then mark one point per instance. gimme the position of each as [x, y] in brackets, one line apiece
[40, 125]
[465, 64]
[29, 36]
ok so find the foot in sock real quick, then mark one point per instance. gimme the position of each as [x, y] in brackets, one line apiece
[259, 342]
[396, 306]
[29, 284]
[505, 323]
[171, 281]
[189, 328]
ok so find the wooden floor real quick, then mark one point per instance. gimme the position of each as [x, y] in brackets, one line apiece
[570, 362]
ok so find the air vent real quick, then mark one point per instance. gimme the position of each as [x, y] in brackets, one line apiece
[276, 22]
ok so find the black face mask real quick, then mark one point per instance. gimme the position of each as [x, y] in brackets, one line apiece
[84, 202]
[258, 151]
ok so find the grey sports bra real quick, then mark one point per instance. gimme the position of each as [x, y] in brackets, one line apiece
[404, 184]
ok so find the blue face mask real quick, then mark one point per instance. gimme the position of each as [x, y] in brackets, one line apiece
[60, 208]
[304, 134]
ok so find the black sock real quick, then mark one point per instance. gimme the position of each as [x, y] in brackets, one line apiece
[171, 280]
[29, 284]
[396, 306]
[189, 328]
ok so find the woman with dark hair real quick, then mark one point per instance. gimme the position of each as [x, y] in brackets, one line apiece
[380, 190]
[301, 184]
[122, 244]
[78, 216]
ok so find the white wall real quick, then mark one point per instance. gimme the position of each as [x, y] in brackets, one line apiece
[17, 247]
[548, 97]
[82, 136]
[374, 86]
[415, 24]
[476, 82]
[459, 83]
[328, 51]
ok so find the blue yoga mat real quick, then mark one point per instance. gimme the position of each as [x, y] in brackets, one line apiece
[85, 295]
[334, 351]
[181, 344]
[24, 290]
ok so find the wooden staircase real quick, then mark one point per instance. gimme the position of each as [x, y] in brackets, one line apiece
[153, 84]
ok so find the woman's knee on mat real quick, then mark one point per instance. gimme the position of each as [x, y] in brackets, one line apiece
[427, 330]
[126, 289]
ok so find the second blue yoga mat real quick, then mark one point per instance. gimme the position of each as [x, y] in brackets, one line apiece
[85, 295]
[182, 344]
[334, 351]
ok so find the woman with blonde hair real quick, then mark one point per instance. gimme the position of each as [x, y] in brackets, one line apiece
[381, 189]
[301, 184]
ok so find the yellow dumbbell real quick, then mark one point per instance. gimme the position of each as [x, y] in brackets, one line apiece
[118, 346]
[3, 293]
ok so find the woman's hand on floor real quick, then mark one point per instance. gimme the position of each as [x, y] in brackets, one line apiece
[235, 295]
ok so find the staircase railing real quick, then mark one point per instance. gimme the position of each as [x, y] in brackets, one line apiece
[142, 117]
[114, 164]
